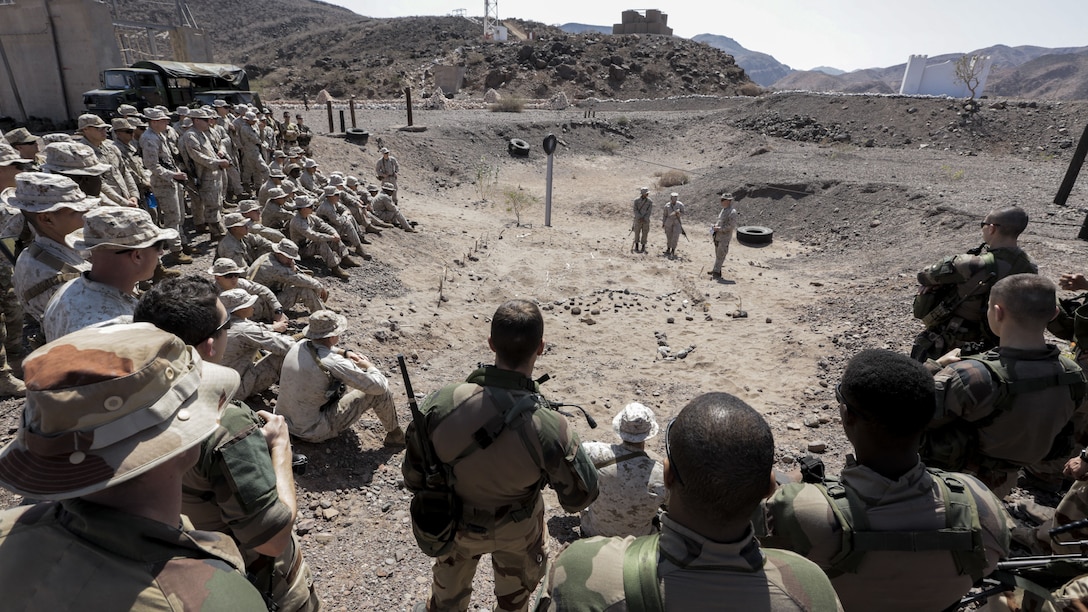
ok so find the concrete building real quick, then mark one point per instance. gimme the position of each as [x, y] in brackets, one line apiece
[652, 21]
[940, 79]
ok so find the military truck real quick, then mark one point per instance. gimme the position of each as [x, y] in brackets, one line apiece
[170, 84]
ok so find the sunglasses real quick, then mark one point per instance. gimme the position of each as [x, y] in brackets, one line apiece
[985, 223]
[668, 453]
[233, 275]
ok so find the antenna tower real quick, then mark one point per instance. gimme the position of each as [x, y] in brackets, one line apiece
[491, 18]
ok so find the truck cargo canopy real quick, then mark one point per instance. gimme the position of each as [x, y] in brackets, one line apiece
[187, 70]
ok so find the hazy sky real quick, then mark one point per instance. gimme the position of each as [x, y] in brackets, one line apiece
[845, 34]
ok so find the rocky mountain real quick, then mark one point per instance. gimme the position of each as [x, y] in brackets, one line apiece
[761, 68]
[582, 28]
[828, 70]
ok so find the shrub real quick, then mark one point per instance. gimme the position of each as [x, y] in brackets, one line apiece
[608, 146]
[750, 89]
[508, 105]
[518, 201]
[672, 178]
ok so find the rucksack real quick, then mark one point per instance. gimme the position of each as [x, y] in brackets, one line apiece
[961, 535]
[950, 447]
[936, 304]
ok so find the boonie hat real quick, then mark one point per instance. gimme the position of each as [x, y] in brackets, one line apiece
[325, 323]
[73, 158]
[249, 206]
[9, 156]
[329, 191]
[155, 114]
[106, 404]
[727, 196]
[234, 220]
[309, 163]
[287, 248]
[276, 192]
[635, 423]
[20, 136]
[39, 192]
[224, 266]
[277, 174]
[336, 180]
[389, 187]
[644, 190]
[49, 139]
[372, 188]
[119, 227]
[250, 117]
[383, 150]
[303, 202]
[183, 111]
[237, 299]
[127, 109]
[352, 181]
[278, 154]
[219, 103]
[674, 195]
[121, 123]
[89, 120]
[291, 168]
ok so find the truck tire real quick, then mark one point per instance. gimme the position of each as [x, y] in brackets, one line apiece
[755, 234]
[357, 135]
[518, 147]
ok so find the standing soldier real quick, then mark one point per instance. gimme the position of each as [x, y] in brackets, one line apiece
[519, 445]
[229, 135]
[254, 170]
[722, 232]
[124, 134]
[117, 185]
[210, 162]
[166, 180]
[643, 208]
[672, 224]
[387, 169]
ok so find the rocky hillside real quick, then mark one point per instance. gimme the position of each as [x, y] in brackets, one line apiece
[763, 69]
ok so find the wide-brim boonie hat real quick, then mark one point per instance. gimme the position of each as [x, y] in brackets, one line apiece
[90, 120]
[635, 423]
[224, 266]
[330, 191]
[309, 163]
[20, 136]
[276, 193]
[287, 248]
[302, 202]
[118, 227]
[106, 404]
[325, 323]
[246, 206]
[70, 157]
[237, 299]
[234, 220]
[389, 187]
[40, 192]
[155, 114]
[383, 150]
[9, 156]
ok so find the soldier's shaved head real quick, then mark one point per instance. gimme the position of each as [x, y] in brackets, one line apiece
[516, 331]
[722, 451]
[1011, 221]
[889, 390]
[1028, 298]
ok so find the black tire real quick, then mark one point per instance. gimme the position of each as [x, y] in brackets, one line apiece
[755, 234]
[357, 135]
[518, 147]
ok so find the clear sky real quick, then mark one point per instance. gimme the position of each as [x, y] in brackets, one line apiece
[844, 34]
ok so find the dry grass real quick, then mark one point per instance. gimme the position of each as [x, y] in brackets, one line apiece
[750, 89]
[672, 178]
[508, 105]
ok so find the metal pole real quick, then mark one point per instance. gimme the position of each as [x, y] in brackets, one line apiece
[328, 108]
[408, 101]
[342, 121]
[548, 194]
[351, 105]
[11, 79]
[1073, 170]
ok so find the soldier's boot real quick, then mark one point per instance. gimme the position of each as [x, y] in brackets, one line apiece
[361, 253]
[178, 257]
[10, 386]
[363, 240]
[161, 273]
[643, 247]
[347, 262]
[339, 273]
[373, 229]
[394, 438]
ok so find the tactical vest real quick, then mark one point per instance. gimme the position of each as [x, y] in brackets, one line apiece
[935, 305]
[64, 272]
[961, 535]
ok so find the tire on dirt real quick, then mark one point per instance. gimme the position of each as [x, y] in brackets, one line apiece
[755, 234]
[357, 135]
[518, 147]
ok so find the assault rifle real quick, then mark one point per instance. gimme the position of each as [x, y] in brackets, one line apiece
[432, 470]
[557, 405]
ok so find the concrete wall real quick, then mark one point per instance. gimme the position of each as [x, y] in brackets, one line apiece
[55, 50]
[449, 78]
[191, 45]
[940, 79]
[635, 22]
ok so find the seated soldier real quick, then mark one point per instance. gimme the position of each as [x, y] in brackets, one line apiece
[313, 366]
[274, 214]
[385, 209]
[238, 244]
[1013, 406]
[718, 467]
[267, 309]
[315, 238]
[336, 214]
[631, 479]
[886, 501]
[252, 212]
[254, 350]
[279, 272]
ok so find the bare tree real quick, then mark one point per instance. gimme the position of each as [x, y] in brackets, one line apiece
[969, 71]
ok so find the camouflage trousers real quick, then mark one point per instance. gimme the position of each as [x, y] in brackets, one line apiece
[721, 249]
[350, 408]
[329, 252]
[11, 311]
[393, 216]
[259, 376]
[208, 204]
[171, 210]
[672, 236]
[309, 298]
[932, 344]
[641, 227]
[349, 231]
[518, 557]
[254, 172]
[289, 582]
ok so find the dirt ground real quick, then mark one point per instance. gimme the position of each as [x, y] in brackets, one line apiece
[853, 224]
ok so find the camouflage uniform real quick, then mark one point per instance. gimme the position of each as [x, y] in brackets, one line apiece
[388, 170]
[205, 152]
[111, 560]
[973, 281]
[302, 392]
[256, 352]
[670, 220]
[913, 503]
[159, 159]
[82, 302]
[134, 166]
[273, 215]
[39, 272]
[232, 178]
[694, 573]
[315, 238]
[723, 235]
[267, 306]
[262, 193]
[341, 220]
[385, 209]
[290, 284]
[254, 168]
[632, 484]
[499, 486]
[232, 490]
[1023, 434]
[643, 208]
[117, 185]
[243, 251]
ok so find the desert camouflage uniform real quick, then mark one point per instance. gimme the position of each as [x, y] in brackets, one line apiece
[670, 220]
[314, 182]
[694, 573]
[96, 557]
[39, 272]
[357, 207]
[243, 251]
[913, 503]
[267, 306]
[1021, 435]
[385, 209]
[273, 215]
[134, 167]
[262, 193]
[632, 485]
[341, 220]
[723, 235]
[256, 352]
[232, 178]
[499, 486]
[204, 149]
[388, 170]
[290, 284]
[117, 185]
[968, 322]
[254, 168]
[642, 208]
[315, 238]
[81, 302]
[159, 159]
[302, 392]
[232, 490]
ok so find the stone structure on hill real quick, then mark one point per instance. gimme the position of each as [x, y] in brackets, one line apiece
[652, 21]
[940, 79]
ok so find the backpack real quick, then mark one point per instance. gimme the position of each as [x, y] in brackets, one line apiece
[961, 536]
[934, 305]
[950, 447]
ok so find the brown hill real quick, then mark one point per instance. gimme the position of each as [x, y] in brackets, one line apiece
[1051, 77]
